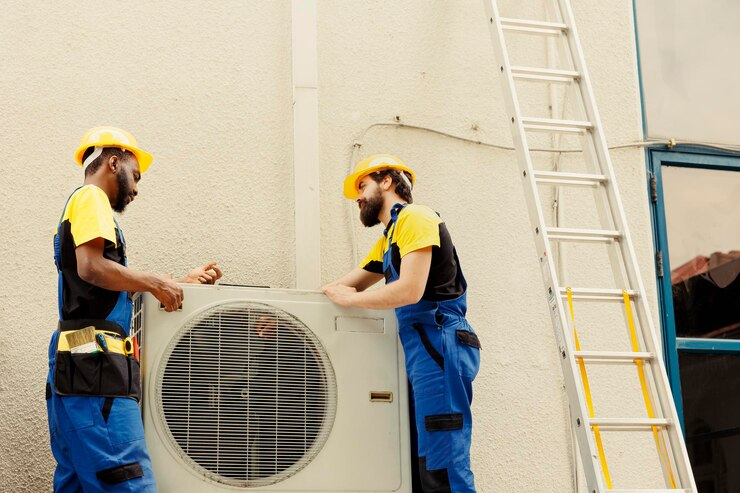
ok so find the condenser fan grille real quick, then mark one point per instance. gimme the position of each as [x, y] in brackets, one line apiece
[247, 394]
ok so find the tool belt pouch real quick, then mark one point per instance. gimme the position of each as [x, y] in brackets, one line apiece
[108, 374]
[97, 374]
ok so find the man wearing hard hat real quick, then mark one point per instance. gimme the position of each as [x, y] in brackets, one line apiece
[93, 386]
[426, 286]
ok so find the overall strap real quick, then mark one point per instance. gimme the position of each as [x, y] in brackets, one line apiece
[123, 241]
[57, 237]
[388, 255]
[58, 254]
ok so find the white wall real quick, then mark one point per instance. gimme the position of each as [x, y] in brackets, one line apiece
[206, 87]
[689, 69]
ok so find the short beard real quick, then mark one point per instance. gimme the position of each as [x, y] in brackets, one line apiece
[123, 192]
[370, 213]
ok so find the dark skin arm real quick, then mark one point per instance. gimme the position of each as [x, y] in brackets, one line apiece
[92, 267]
[206, 274]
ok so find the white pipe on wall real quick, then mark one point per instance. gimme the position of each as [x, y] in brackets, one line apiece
[306, 145]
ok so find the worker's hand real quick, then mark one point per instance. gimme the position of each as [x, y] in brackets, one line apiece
[168, 293]
[340, 294]
[207, 274]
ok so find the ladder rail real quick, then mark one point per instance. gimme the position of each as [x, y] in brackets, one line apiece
[611, 215]
[666, 405]
[590, 151]
[566, 346]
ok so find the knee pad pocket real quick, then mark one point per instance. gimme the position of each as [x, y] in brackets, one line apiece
[121, 473]
[443, 422]
[434, 481]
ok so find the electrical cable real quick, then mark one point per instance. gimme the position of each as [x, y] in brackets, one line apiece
[357, 145]
[669, 143]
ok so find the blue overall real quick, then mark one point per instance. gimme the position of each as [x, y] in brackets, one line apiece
[442, 359]
[98, 442]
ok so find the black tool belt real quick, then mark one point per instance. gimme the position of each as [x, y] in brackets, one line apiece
[111, 371]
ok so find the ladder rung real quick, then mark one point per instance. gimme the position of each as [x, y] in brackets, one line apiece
[571, 234]
[551, 125]
[544, 74]
[598, 172]
[615, 356]
[628, 423]
[572, 179]
[597, 294]
[533, 27]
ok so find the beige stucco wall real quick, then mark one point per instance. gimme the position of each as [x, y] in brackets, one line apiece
[206, 87]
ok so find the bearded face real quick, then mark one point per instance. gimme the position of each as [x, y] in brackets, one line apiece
[126, 180]
[124, 192]
[371, 203]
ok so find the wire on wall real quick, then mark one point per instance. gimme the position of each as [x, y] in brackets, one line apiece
[670, 143]
[357, 146]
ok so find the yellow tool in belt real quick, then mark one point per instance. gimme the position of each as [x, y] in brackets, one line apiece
[111, 342]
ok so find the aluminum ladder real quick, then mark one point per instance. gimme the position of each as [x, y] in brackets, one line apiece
[660, 417]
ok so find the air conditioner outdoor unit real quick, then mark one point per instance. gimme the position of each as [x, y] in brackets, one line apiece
[271, 390]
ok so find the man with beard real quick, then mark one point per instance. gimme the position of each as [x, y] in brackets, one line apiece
[426, 286]
[93, 387]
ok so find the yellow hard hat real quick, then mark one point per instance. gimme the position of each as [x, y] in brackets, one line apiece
[369, 165]
[113, 137]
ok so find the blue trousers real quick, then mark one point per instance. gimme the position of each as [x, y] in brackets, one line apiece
[441, 362]
[98, 442]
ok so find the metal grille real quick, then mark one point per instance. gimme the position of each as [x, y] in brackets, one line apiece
[136, 318]
[247, 393]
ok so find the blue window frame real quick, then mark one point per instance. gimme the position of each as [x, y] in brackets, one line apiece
[686, 157]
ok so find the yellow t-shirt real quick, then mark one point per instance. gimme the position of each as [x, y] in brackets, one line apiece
[419, 227]
[88, 215]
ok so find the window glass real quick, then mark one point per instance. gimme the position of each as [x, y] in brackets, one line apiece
[711, 404]
[702, 209]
